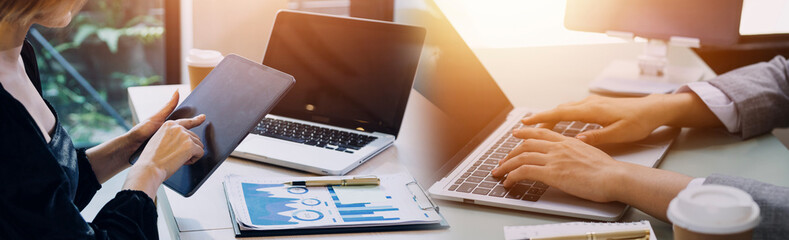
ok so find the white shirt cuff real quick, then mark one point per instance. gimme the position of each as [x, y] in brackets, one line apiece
[696, 182]
[720, 104]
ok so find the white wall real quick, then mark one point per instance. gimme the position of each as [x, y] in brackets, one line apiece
[230, 26]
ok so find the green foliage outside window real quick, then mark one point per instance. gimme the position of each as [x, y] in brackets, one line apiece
[112, 44]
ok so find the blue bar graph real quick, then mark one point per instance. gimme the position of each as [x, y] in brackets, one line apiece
[366, 219]
[361, 212]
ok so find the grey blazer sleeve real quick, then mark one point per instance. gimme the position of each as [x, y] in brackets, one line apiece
[760, 93]
[773, 204]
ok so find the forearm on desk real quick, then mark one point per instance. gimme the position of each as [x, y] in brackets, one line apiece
[717, 102]
[648, 189]
[688, 110]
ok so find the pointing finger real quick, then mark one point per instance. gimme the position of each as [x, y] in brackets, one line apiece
[190, 123]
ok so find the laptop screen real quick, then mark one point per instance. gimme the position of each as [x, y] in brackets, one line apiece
[349, 73]
[453, 79]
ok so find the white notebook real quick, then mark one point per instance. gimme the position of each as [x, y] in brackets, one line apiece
[572, 228]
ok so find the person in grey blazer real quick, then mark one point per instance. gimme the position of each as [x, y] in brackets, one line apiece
[748, 102]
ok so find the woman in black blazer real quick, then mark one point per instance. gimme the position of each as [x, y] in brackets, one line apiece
[44, 181]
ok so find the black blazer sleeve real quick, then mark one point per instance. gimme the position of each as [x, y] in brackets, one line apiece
[88, 183]
[36, 197]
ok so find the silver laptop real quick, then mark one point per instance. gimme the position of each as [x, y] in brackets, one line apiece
[477, 134]
[353, 78]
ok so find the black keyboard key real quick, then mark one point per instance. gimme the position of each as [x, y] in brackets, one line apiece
[576, 125]
[519, 189]
[453, 187]
[481, 191]
[486, 167]
[466, 187]
[531, 198]
[509, 145]
[283, 137]
[515, 194]
[481, 174]
[526, 182]
[350, 146]
[311, 135]
[498, 191]
[536, 191]
[465, 175]
[474, 180]
[487, 184]
[571, 132]
[459, 181]
[491, 179]
[540, 185]
[497, 156]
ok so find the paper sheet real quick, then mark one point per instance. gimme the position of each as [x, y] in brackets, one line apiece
[267, 204]
[360, 194]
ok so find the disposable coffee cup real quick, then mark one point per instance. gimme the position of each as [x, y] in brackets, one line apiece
[200, 64]
[713, 212]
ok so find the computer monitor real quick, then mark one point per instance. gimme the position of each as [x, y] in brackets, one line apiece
[712, 22]
[663, 23]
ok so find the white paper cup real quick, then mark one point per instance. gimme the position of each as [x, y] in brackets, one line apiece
[200, 64]
[713, 212]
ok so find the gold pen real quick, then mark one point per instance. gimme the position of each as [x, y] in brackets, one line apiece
[620, 235]
[357, 181]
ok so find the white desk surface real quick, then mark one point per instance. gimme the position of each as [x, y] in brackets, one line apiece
[528, 79]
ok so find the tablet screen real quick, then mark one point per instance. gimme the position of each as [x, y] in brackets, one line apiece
[234, 97]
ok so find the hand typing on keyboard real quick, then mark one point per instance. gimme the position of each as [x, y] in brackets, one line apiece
[582, 170]
[559, 161]
[628, 119]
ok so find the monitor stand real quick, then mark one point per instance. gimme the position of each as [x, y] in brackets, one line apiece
[651, 73]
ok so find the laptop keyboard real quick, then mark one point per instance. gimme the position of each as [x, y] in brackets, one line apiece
[342, 141]
[478, 180]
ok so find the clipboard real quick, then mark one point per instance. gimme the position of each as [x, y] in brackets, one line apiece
[418, 194]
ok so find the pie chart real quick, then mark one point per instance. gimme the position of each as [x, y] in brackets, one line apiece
[307, 215]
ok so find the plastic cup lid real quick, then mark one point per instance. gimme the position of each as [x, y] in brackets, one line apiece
[714, 209]
[204, 58]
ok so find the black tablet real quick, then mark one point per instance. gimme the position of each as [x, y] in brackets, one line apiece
[234, 97]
